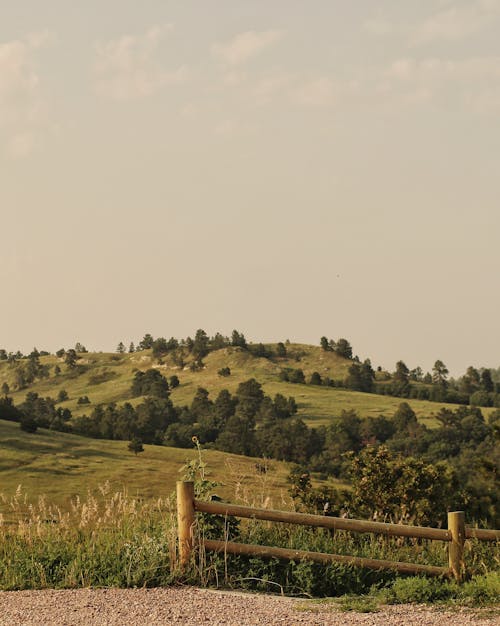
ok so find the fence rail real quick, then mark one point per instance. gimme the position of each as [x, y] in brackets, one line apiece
[455, 535]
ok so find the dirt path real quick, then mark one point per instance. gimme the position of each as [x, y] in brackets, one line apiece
[188, 605]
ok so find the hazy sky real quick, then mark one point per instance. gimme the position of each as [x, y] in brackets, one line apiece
[290, 169]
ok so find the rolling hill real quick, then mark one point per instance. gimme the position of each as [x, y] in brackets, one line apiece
[106, 377]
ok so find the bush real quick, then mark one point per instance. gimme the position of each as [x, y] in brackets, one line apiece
[62, 396]
[416, 589]
[102, 377]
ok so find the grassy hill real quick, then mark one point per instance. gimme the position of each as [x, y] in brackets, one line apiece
[61, 466]
[106, 377]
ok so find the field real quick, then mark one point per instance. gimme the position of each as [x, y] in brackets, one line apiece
[61, 466]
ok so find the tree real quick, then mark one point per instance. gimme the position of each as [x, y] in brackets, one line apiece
[136, 446]
[160, 347]
[218, 341]
[402, 373]
[80, 347]
[416, 374]
[323, 342]
[62, 396]
[470, 381]
[120, 348]
[405, 417]
[71, 358]
[238, 339]
[297, 376]
[224, 407]
[147, 342]
[250, 396]
[8, 411]
[281, 350]
[150, 383]
[200, 344]
[5, 389]
[238, 436]
[173, 381]
[400, 489]
[440, 374]
[28, 424]
[201, 405]
[224, 371]
[131, 347]
[343, 348]
[486, 381]
[315, 379]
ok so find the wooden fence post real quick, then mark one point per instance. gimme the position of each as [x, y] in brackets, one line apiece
[185, 520]
[456, 526]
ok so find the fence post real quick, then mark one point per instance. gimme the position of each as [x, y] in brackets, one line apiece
[185, 520]
[456, 526]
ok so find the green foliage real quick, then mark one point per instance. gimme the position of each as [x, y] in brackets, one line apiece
[480, 590]
[71, 358]
[136, 446]
[101, 377]
[146, 343]
[150, 383]
[343, 348]
[238, 339]
[390, 487]
[173, 381]
[315, 379]
[8, 411]
[28, 424]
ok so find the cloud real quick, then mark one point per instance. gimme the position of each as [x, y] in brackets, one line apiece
[267, 88]
[379, 26]
[21, 102]
[473, 83]
[126, 68]
[455, 23]
[245, 46]
[317, 92]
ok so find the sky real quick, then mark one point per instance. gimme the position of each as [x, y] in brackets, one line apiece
[289, 169]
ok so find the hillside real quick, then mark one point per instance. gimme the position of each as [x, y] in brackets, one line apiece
[61, 466]
[106, 377]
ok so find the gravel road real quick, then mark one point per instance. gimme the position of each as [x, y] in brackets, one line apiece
[188, 605]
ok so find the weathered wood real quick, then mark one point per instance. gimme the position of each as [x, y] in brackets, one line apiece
[456, 526]
[484, 534]
[336, 523]
[322, 557]
[185, 520]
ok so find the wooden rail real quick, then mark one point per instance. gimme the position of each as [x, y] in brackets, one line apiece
[455, 535]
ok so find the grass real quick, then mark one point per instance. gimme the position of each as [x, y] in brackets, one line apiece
[108, 537]
[62, 466]
[316, 405]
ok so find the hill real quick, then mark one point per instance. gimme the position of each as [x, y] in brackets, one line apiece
[107, 377]
[61, 466]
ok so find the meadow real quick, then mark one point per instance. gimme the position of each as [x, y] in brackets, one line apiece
[62, 466]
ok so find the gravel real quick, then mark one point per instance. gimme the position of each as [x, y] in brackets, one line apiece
[189, 605]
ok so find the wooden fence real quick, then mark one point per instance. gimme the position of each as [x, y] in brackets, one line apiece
[455, 535]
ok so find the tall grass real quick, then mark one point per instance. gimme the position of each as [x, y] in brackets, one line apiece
[105, 539]
[112, 539]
